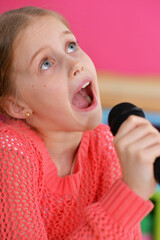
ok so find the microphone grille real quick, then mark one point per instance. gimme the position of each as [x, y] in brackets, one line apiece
[120, 113]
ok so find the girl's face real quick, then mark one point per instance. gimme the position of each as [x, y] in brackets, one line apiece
[55, 78]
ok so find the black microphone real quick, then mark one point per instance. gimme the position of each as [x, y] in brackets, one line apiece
[118, 115]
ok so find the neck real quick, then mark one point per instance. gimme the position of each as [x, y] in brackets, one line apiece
[62, 147]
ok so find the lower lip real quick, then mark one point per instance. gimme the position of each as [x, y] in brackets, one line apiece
[90, 108]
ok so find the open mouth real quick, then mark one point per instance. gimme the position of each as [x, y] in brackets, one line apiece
[83, 98]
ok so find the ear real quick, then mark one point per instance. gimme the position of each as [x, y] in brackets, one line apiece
[16, 108]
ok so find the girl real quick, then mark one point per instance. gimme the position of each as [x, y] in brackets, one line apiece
[60, 177]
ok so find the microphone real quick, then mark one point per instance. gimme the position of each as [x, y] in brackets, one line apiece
[118, 115]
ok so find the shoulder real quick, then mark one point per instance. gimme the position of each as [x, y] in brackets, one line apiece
[19, 160]
[106, 154]
[17, 150]
[17, 137]
[101, 143]
[102, 134]
[9, 133]
[14, 137]
[98, 141]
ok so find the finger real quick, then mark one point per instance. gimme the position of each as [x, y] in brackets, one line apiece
[131, 123]
[150, 153]
[146, 142]
[144, 134]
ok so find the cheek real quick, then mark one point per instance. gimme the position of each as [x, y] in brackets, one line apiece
[49, 94]
[90, 65]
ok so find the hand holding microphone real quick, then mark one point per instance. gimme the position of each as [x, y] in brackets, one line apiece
[137, 144]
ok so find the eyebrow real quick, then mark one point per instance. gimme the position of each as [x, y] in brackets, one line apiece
[66, 32]
[44, 47]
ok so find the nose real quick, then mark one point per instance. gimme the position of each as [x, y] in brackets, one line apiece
[75, 73]
[75, 69]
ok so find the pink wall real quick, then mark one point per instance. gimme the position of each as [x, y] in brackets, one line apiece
[120, 36]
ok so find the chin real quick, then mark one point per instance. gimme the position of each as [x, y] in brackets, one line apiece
[93, 121]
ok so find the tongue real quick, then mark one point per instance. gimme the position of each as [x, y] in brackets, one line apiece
[81, 99]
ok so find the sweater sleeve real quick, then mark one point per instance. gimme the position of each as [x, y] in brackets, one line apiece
[116, 216]
[118, 211]
[19, 212]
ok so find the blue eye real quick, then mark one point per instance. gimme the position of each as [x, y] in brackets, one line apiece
[46, 64]
[72, 47]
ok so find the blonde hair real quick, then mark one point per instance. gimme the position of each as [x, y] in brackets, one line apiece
[11, 25]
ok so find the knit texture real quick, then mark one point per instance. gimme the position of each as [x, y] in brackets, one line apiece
[91, 203]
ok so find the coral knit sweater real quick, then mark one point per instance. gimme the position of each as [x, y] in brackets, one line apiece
[91, 203]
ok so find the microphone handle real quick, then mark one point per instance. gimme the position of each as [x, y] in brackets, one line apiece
[157, 170]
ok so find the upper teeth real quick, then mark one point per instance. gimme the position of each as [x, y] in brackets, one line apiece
[86, 84]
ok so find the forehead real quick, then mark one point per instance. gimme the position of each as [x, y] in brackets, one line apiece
[40, 31]
[41, 25]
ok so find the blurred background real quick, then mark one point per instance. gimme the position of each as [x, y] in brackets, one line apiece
[123, 40]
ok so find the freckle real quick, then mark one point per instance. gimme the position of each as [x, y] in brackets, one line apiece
[32, 85]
